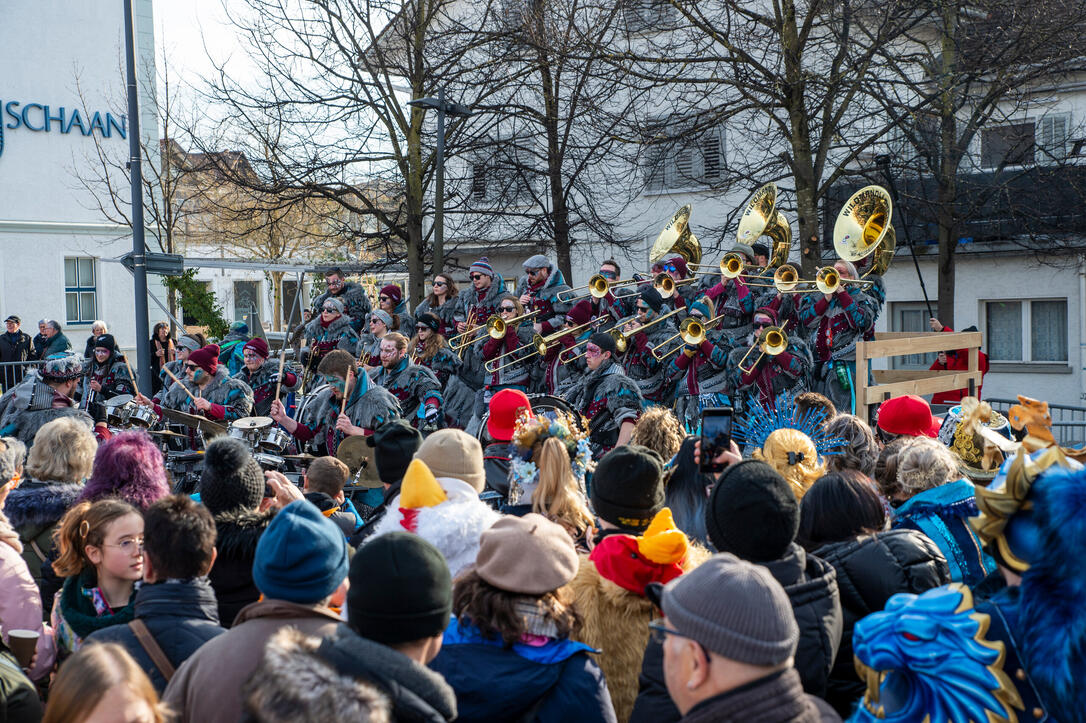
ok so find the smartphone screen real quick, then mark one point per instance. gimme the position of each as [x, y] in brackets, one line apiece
[716, 436]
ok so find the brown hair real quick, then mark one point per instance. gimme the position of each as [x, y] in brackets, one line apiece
[809, 401]
[63, 451]
[516, 303]
[338, 362]
[431, 346]
[327, 475]
[451, 290]
[886, 467]
[861, 450]
[85, 524]
[557, 496]
[781, 450]
[659, 430]
[495, 612]
[396, 338]
[88, 675]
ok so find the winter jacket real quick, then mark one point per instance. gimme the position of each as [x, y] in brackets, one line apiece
[19, 701]
[344, 519]
[30, 406]
[207, 686]
[776, 698]
[444, 312]
[545, 300]
[34, 509]
[869, 570]
[496, 460]
[356, 304]
[81, 608]
[416, 693]
[230, 398]
[57, 344]
[13, 348]
[552, 683]
[20, 601]
[181, 615]
[231, 576]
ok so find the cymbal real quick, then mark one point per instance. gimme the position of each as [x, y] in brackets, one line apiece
[209, 428]
[165, 433]
[359, 458]
[298, 457]
[252, 422]
[118, 400]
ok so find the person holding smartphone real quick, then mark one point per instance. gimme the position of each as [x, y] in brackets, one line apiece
[699, 373]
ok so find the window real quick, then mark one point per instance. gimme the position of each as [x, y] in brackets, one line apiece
[649, 15]
[1011, 145]
[504, 172]
[1052, 137]
[687, 160]
[911, 316]
[247, 302]
[1027, 331]
[80, 290]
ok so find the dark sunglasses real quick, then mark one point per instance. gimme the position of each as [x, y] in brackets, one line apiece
[383, 298]
[191, 367]
[476, 277]
[508, 308]
[440, 283]
[642, 308]
[533, 272]
[762, 325]
[608, 274]
[670, 267]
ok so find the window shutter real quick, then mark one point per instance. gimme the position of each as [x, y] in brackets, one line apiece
[712, 152]
[478, 181]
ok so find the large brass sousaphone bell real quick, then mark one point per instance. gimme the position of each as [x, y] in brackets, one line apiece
[676, 238]
[761, 218]
[863, 228]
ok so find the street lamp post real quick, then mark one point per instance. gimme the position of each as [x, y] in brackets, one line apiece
[453, 109]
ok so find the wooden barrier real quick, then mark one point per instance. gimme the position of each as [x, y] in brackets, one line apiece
[896, 382]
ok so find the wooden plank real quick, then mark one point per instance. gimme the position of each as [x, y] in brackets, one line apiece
[885, 335]
[974, 365]
[920, 387]
[886, 376]
[859, 384]
[922, 344]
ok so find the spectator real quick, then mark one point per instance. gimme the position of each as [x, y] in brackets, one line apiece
[658, 429]
[20, 601]
[729, 639]
[842, 521]
[809, 403]
[323, 484]
[627, 490]
[163, 351]
[300, 568]
[61, 458]
[444, 510]
[931, 497]
[230, 348]
[98, 328]
[861, 450]
[886, 468]
[792, 455]
[99, 683]
[39, 341]
[394, 443]
[232, 488]
[441, 302]
[957, 360]
[508, 653]
[128, 466]
[293, 684]
[19, 699]
[506, 407]
[397, 607]
[101, 558]
[908, 415]
[14, 350]
[175, 603]
[547, 475]
[686, 492]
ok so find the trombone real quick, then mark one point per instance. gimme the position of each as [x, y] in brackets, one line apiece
[785, 279]
[827, 280]
[771, 341]
[541, 344]
[665, 285]
[598, 287]
[691, 331]
[622, 338]
[495, 327]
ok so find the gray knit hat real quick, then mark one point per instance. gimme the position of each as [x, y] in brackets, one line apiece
[735, 609]
[334, 303]
[383, 316]
[189, 342]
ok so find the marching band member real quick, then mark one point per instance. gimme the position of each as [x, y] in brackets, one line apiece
[45, 395]
[734, 299]
[369, 344]
[699, 374]
[553, 372]
[350, 294]
[105, 375]
[186, 344]
[416, 387]
[640, 363]
[330, 330]
[322, 424]
[441, 302]
[538, 290]
[218, 396]
[480, 302]
[262, 375]
[608, 398]
[514, 375]
[768, 376]
[429, 349]
[674, 265]
[835, 322]
[390, 300]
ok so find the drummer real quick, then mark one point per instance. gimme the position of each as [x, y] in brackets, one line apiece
[206, 389]
[322, 424]
[106, 376]
[262, 375]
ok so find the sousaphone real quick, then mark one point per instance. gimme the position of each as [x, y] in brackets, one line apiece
[761, 218]
[676, 238]
[863, 228]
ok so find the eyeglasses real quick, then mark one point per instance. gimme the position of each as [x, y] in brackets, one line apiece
[659, 632]
[642, 309]
[508, 308]
[251, 355]
[670, 267]
[533, 272]
[129, 546]
[762, 325]
[376, 321]
[476, 277]
[383, 298]
[330, 309]
[191, 367]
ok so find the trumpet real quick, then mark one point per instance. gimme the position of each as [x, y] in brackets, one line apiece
[772, 341]
[691, 331]
[541, 344]
[666, 285]
[598, 287]
[495, 327]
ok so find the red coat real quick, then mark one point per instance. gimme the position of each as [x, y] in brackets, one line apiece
[958, 361]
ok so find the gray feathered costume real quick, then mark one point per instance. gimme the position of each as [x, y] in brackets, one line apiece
[369, 406]
[32, 404]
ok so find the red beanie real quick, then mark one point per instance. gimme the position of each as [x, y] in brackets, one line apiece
[258, 345]
[580, 313]
[206, 358]
[505, 408]
[393, 292]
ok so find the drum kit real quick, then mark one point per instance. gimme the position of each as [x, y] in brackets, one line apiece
[358, 455]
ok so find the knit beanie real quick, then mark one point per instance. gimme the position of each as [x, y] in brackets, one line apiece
[735, 609]
[744, 249]
[302, 555]
[61, 368]
[759, 249]
[105, 341]
[628, 487]
[383, 316]
[232, 481]
[429, 320]
[258, 345]
[333, 303]
[704, 306]
[580, 313]
[394, 443]
[752, 513]
[239, 327]
[482, 266]
[393, 292]
[206, 358]
[652, 297]
[188, 342]
[454, 453]
[674, 260]
[401, 590]
[772, 312]
[604, 341]
[506, 406]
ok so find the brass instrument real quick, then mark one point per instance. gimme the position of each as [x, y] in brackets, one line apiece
[827, 280]
[691, 331]
[785, 279]
[495, 328]
[863, 227]
[598, 287]
[760, 218]
[771, 341]
[665, 285]
[469, 328]
[676, 238]
[541, 344]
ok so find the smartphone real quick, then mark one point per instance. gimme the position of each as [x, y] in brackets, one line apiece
[716, 436]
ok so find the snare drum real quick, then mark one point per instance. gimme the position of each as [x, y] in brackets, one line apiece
[268, 461]
[118, 408]
[143, 417]
[275, 440]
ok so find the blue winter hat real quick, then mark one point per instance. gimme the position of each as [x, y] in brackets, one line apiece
[703, 306]
[240, 326]
[301, 557]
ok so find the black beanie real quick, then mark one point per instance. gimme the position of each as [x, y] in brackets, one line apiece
[395, 443]
[652, 297]
[604, 341]
[628, 487]
[232, 480]
[400, 591]
[752, 513]
[106, 341]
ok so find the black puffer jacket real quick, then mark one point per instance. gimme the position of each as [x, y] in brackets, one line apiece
[869, 570]
[180, 615]
[232, 574]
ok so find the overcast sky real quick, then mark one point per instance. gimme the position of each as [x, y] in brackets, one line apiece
[183, 28]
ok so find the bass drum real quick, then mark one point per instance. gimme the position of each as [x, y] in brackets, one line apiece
[540, 403]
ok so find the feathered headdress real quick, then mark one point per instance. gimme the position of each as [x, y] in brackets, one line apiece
[532, 431]
[762, 420]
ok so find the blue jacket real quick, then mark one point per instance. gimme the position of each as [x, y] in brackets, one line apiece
[555, 682]
[180, 615]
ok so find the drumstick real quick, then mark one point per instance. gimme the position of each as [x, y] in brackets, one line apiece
[125, 357]
[343, 404]
[183, 387]
[282, 359]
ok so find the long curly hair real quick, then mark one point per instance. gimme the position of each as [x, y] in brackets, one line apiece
[494, 611]
[793, 455]
[128, 466]
[659, 430]
[557, 496]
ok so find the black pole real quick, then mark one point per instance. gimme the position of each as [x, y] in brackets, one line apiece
[139, 250]
[884, 164]
[439, 191]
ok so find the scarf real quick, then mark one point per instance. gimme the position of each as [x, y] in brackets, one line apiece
[81, 603]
